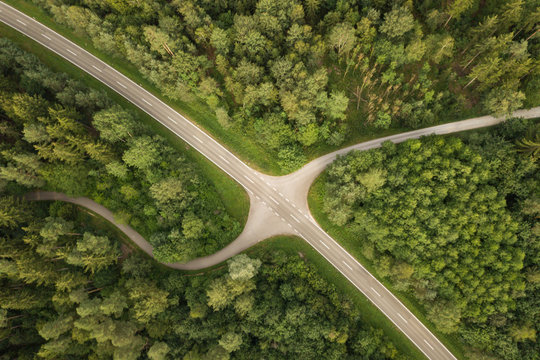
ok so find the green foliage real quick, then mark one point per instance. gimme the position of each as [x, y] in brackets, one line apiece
[97, 149]
[275, 307]
[451, 222]
[406, 64]
[397, 22]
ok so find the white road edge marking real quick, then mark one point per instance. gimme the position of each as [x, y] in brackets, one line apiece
[98, 69]
[274, 200]
[46, 37]
[347, 265]
[249, 191]
[21, 22]
[294, 217]
[122, 85]
[71, 52]
[222, 158]
[199, 140]
[375, 291]
[406, 322]
[322, 242]
[428, 344]
[251, 181]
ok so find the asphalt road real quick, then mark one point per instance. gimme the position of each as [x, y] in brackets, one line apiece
[278, 204]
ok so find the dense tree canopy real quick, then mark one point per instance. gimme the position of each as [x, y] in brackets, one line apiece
[54, 307]
[49, 140]
[450, 221]
[296, 74]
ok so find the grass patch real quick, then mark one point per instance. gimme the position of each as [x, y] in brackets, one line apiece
[232, 194]
[350, 242]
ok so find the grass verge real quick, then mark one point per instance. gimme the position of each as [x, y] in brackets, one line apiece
[349, 242]
[234, 197]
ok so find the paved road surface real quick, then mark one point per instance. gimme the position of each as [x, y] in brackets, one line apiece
[278, 204]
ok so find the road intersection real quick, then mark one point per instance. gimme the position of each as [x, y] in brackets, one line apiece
[278, 205]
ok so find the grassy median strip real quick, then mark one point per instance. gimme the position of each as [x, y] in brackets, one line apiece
[233, 195]
[346, 239]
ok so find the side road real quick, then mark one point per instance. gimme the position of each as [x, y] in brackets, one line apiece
[278, 204]
[249, 237]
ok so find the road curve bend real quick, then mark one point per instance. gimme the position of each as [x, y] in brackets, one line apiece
[278, 205]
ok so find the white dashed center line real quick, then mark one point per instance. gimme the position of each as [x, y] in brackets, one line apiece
[19, 21]
[257, 196]
[46, 37]
[251, 181]
[298, 221]
[322, 242]
[428, 344]
[375, 291]
[170, 118]
[122, 85]
[280, 194]
[287, 200]
[98, 69]
[199, 140]
[347, 265]
[222, 158]
[71, 52]
[402, 318]
[274, 200]
[146, 101]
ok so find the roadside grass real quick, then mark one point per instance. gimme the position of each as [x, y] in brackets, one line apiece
[350, 242]
[233, 196]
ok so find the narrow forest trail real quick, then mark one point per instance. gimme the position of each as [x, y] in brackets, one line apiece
[278, 204]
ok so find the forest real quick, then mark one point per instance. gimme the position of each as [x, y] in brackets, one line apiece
[57, 134]
[453, 222]
[297, 75]
[71, 291]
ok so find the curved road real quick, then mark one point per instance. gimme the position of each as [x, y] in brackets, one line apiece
[278, 204]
